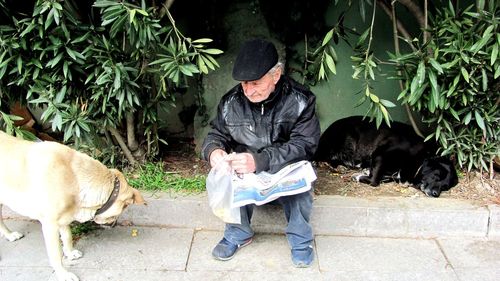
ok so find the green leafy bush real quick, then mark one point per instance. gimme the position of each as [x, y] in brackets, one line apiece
[449, 77]
[452, 81]
[101, 76]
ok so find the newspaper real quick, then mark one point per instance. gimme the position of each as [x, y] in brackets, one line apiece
[264, 187]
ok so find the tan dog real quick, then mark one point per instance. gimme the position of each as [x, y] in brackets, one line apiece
[57, 185]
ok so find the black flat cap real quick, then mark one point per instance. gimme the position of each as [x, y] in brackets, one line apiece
[254, 59]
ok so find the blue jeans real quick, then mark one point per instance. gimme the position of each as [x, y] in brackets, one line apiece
[297, 210]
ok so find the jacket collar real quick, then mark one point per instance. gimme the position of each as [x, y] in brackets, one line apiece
[277, 91]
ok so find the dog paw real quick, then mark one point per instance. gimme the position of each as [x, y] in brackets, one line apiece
[66, 276]
[73, 254]
[357, 176]
[13, 236]
[360, 177]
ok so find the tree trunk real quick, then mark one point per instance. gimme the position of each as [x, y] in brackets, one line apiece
[131, 139]
[123, 146]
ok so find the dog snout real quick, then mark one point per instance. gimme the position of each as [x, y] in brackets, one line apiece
[111, 221]
[430, 190]
[109, 225]
[113, 224]
[435, 193]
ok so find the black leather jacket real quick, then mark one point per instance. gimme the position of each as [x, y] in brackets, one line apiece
[279, 131]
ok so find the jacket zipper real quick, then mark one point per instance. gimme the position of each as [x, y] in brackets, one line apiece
[262, 109]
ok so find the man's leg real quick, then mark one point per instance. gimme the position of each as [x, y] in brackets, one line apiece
[235, 235]
[299, 231]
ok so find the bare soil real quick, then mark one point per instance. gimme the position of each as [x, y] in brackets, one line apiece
[471, 186]
[180, 158]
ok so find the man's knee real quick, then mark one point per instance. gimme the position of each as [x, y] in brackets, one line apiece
[302, 201]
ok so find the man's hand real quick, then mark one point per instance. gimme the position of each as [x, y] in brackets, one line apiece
[216, 156]
[241, 163]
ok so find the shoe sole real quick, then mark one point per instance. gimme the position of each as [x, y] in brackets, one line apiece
[302, 265]
[228, 258]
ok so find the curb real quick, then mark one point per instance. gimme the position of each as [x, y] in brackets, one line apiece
[335, 215]
[418, 217]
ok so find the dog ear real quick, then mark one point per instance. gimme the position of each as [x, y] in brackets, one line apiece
[137, 198]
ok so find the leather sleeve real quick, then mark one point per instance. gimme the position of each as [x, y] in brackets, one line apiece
[217, 137]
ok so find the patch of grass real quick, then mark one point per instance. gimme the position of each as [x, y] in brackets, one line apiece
[80, 229]
[152, 177]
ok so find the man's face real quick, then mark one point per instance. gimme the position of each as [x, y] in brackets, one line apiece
[259, 90]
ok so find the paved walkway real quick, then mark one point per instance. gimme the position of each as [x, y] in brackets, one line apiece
[172, 238]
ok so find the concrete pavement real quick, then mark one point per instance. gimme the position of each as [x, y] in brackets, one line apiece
[356, 239]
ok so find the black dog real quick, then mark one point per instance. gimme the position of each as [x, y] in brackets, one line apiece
[394, 153]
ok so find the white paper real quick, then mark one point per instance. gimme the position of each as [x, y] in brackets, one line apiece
[263, 187]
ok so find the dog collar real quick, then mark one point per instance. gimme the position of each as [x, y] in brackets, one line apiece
[111, 199]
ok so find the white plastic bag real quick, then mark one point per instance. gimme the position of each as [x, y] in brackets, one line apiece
[220, 193]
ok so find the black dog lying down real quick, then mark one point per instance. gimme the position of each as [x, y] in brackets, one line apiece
[395, 153]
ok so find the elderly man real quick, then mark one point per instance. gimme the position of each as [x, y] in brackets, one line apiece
[268, 120]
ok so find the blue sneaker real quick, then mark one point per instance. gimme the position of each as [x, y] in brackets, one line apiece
[303, 257]
[225, 250]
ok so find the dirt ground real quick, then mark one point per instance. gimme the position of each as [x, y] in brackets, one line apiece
[180, 158]
[339, 181]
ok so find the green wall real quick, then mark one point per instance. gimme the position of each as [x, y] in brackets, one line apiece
[336, 98]
[339, 96]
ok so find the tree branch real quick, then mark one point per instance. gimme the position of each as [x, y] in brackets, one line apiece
[165, 7]
[426, 26]
[395, 26]
[399, 25]
[420, 16]
[416, 11]
[371, 33]
[123, 146]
